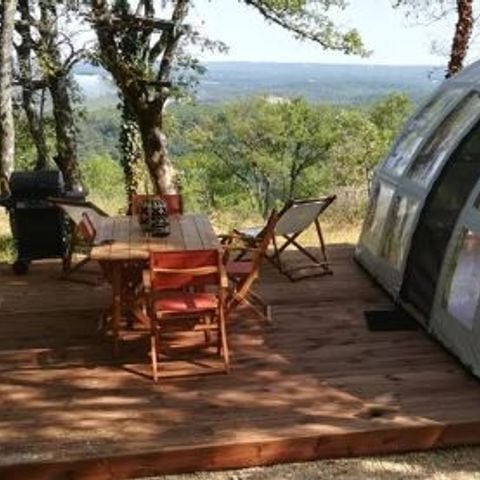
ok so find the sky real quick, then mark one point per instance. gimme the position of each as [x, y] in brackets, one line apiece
[394, 39]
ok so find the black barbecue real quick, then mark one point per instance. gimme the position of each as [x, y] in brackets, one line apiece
[38, 227]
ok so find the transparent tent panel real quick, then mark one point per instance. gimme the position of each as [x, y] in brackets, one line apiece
[377, 214]
[413, 136]
[463, 285]
[434, 152]
[399, 229]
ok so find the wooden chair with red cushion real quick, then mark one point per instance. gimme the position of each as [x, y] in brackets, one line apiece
[186, 289]
[173, 201]
[244, 273]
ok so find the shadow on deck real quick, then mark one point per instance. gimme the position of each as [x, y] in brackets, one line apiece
[316, 384]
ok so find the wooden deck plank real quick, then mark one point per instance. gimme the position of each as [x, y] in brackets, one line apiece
[316, 384]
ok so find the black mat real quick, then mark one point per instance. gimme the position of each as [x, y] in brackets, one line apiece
[389, 321]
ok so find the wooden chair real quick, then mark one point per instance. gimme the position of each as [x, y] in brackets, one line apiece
[244, 273]
[173, 201]
[178, 293]
[295, 217]
[76, 211]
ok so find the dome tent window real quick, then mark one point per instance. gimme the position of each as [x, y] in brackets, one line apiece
[433, 154]
[463, 287]
[399, 229]
[416, 132]
[376, 217]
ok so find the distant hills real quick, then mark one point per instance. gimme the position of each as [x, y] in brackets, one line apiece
[340, 84]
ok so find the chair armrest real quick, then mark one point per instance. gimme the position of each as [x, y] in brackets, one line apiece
[228, 238]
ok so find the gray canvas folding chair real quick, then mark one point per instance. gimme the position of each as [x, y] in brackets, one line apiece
[296, 217]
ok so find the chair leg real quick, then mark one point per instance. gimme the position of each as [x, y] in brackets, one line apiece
[154, 348]
[207, 332]
[223, 338]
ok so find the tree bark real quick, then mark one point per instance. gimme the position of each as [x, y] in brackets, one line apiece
[159, 164]
[34, 120]
[461, 38]
[66, 158]
[7, 127]
[58, 85]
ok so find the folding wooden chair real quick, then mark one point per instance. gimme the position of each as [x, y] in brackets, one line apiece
[76, 211]
[178, 291]
[296, 217]
[244, 273]
[173, 201]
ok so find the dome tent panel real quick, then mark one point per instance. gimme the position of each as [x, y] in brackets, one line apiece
[418, 128]
[398, 230]
[431, 157]
[462, 293]
[455, 318]
[374, 223]
[438, 142]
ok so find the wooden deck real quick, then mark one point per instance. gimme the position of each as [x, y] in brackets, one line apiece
[316, 384]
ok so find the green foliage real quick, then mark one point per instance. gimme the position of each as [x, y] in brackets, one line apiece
[98, 132]
[255, 154]
[7, 248]
[25, 151]
[311, 20]
[103, 176]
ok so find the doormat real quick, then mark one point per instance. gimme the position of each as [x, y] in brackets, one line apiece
[389, 321]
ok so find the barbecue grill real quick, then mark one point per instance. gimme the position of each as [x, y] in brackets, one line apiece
[38, 227]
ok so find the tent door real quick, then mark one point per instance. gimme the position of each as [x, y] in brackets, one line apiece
[437, 221]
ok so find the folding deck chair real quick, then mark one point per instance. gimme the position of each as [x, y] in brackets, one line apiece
[244, 273]
[295, 217]
[78, 212]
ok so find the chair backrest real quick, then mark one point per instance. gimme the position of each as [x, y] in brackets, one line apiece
[298, 215]
[174, 203]
[174, 270]
[87, 229]
[75, 210]
[265, 237]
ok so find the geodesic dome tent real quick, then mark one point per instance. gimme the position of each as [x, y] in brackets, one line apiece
[421, 237]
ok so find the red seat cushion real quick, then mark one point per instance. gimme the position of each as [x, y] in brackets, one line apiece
[186, 302]
[239, 269]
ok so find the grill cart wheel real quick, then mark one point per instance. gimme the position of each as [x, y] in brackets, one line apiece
[20, 267]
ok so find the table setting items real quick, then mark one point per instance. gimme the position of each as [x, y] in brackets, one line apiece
[153, 217]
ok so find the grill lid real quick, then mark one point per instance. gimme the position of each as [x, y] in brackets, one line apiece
[36, 185]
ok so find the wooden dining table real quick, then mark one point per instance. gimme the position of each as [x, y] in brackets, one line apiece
[121, 241]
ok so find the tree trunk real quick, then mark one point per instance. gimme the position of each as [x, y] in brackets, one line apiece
[7, 127]
[131, 152]
[59, 88]
[66, 158]
[158, 161]
[461, 38]
[34, 120]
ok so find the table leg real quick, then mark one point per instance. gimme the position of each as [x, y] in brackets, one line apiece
[116, 304]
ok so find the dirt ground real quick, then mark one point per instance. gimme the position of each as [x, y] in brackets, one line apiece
[452, 464]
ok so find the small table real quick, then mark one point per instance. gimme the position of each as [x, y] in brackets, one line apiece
[128, 243]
